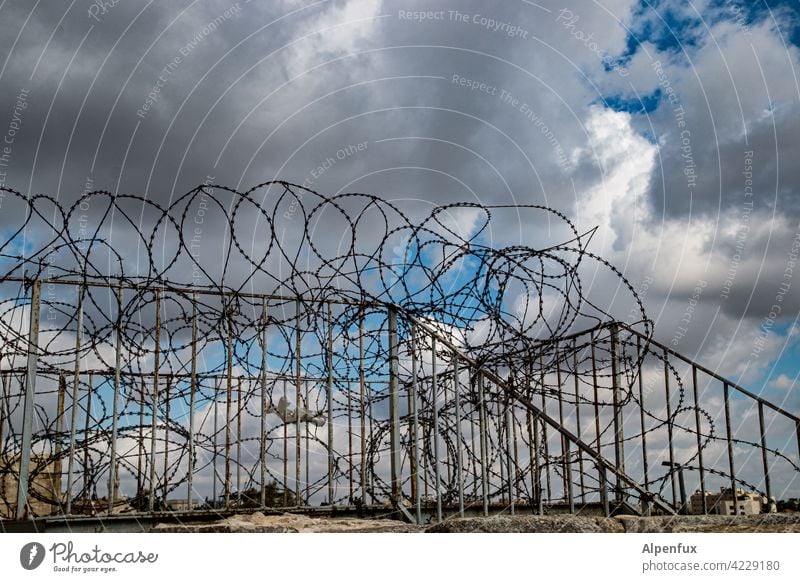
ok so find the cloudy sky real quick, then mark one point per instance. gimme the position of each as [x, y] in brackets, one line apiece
[672, 126]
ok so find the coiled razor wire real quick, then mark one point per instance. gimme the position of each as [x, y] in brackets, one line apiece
[239, 279]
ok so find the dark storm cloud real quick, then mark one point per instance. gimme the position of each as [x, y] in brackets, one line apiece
[129, 99]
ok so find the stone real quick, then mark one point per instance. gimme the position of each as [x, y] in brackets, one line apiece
[289, 523]
[764, 523]
[529, 524]
[295, 523]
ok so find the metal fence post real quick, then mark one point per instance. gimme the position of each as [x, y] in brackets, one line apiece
[330, 407]
[298, 371]
[112, 472]
[362, 388]
[192, 404]
[228, 403]
[483, 444]
[151, 498]
[509, 477]
[602, 477]
[435, 401]
[5, 378]
[74, 411]
[394, 405]
[764, 460]
[263, 441]
[699, 442]
[729, 440]
[538, 470]
[457, 403]
[619, 451]
[415, 432]
[30, 394]
[640, 356]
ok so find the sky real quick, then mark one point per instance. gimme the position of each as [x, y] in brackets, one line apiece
[670, 126]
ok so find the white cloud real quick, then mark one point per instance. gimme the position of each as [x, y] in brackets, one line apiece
[783, 382]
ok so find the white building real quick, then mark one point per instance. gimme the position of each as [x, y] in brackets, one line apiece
[723, 503]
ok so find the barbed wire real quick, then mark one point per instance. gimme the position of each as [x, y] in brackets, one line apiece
[245, 304]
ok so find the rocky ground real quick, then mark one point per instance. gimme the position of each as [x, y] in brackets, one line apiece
[773, 523]
[292, 523]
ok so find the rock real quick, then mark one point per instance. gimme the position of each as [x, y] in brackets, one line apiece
[765, 523]
[529, 524]
[295, 523]
[219, 527]
[289, 523]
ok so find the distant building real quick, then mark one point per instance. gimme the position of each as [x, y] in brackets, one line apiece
[45, 483]
[182, 505]
[724, 503]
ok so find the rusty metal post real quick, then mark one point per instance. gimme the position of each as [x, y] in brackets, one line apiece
[307, 440]
[263, 441]
[370, 395]
[74, 411]
[797, 431]
[545, 438]
[4, 406]
[699, 442]
[62, 396]
[765, 463]
[509, 478]
[299, 370]
[192, 396]
[500, 456]
[435, 401]
[445, 428]
[515, 438]
[165, 487]
[410, 407]
[217, 383]
[363, 410]
[330, 407]
[86, 426]
[416, 494]
[239, 442]
[640, 382]
[473, 455]
[597, 432]
[112, 471]
[140, 443]
[601, 470]
[30, 395]
[683, 508]
[228, 404]
[566, 476]
[538, 484]
[394, 406]
[285, 452]
[483, 444]
[457, 404]
[578, 417]
[350, 439]
[619, 436]
[565, 449]
[671, 448]
[729, 439]
[532, 454]
[154, 424]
